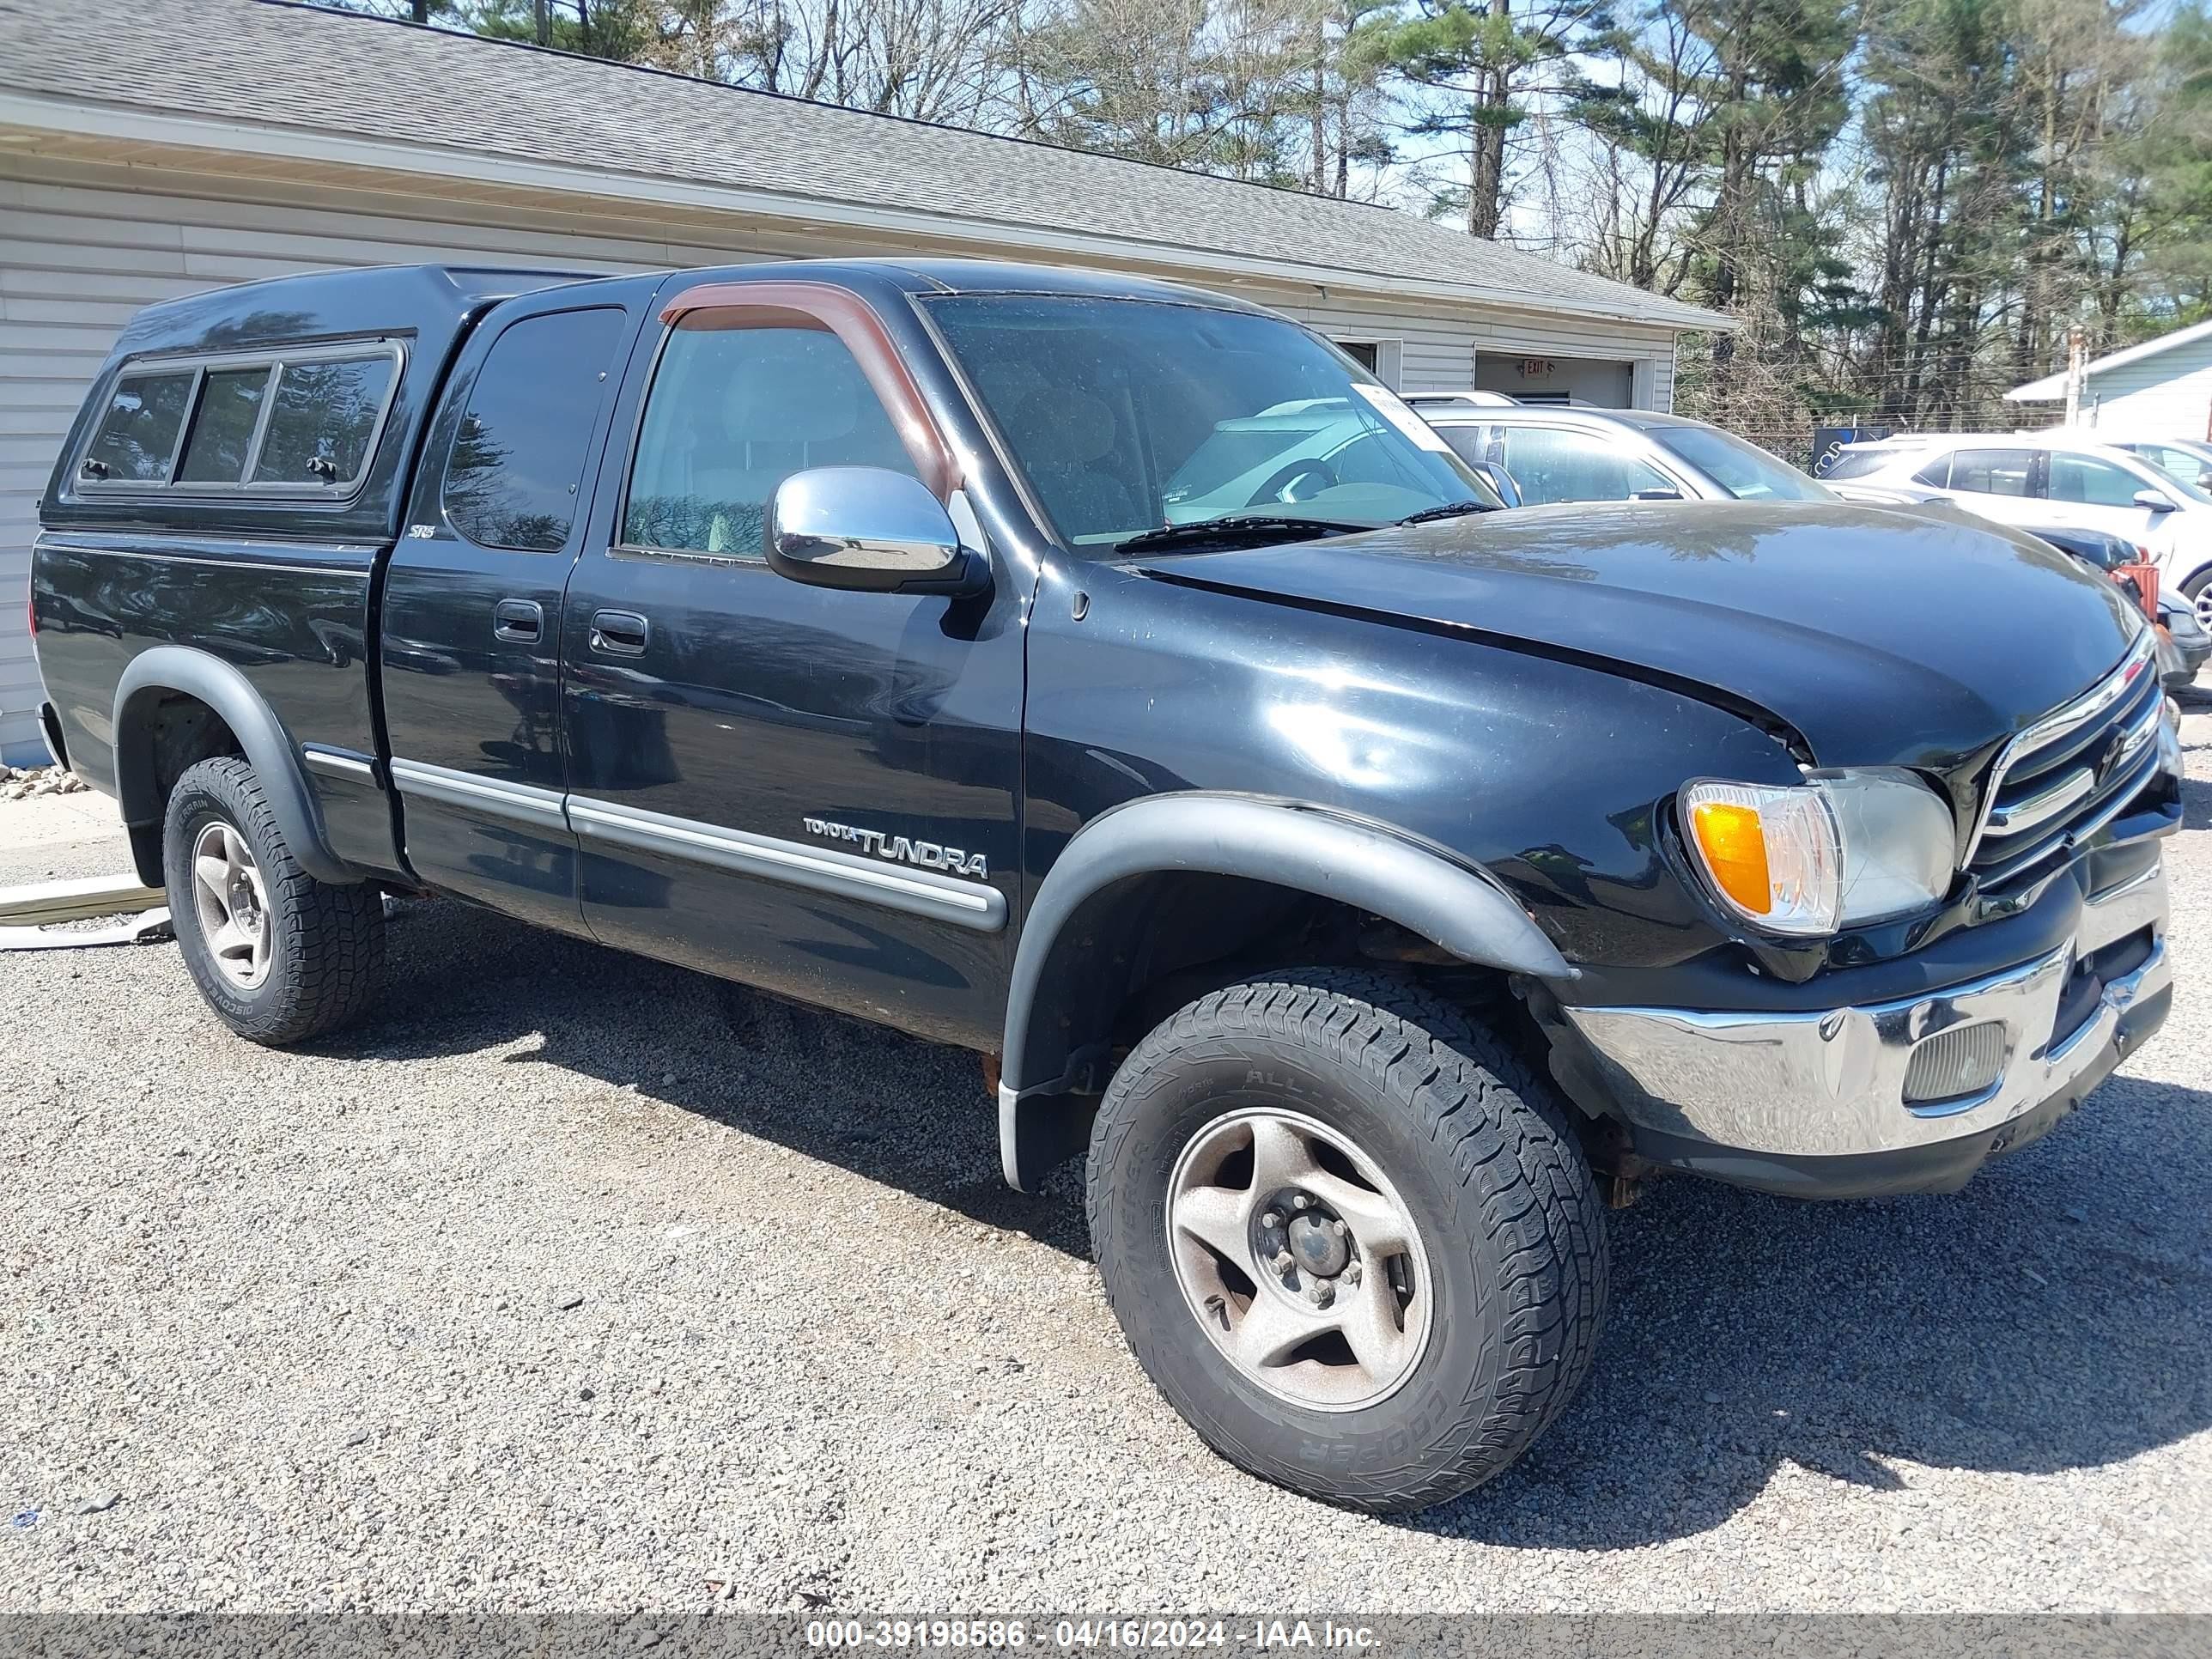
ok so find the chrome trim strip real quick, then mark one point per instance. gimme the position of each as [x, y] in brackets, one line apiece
[340, 763]
[520, 803]
[2074, 787]
[2067, 718]
[917, 892]
[1830, 1082]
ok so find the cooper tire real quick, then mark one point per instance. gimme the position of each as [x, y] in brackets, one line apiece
[1458, 1132]
[321, 948]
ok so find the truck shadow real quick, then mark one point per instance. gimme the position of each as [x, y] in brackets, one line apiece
[2056, 1315]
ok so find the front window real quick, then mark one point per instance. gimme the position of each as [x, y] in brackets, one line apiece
[2091, 483]
[1127, 415]
[1744, 471]
[1552, 464]
[2188, 466]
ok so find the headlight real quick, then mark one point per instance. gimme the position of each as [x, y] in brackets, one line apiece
[1812, 858]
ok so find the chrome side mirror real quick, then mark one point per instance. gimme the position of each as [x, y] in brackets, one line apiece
[2153, 500]
[869, 528]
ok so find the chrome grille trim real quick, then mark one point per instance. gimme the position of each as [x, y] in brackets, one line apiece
[2075, 786]
[2062, 723]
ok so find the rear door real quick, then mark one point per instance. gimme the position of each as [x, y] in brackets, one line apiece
[2003, 483]
[471, 637]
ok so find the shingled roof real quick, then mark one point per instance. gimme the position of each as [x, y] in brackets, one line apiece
[267, 64]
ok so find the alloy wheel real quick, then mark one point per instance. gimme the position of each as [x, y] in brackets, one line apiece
[233, 903]
[1299, 1260]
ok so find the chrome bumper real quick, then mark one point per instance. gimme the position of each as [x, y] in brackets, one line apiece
[1833, 1083]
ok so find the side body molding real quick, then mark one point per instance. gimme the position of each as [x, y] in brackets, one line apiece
[275, 758]
[1307, 849]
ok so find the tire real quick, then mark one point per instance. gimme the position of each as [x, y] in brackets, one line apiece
[2197, 590]
[1505, 1225]
[320, 954]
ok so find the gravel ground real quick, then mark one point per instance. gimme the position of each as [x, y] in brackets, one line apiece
[582, 1282]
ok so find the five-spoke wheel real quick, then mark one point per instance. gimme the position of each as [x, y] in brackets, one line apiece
[233, 903]
[1298, 1259]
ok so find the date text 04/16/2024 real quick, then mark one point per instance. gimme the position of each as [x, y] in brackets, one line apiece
[1247, 1634]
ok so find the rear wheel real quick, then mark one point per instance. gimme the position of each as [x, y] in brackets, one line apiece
[280, 957]
[1348, 1237]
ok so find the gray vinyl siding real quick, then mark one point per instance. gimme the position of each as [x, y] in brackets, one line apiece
[2166, 395]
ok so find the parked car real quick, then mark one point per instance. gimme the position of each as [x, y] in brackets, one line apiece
[2031, 478]
[2183, 643]
[2131, 567]
[1575, 454]
[1352, 903]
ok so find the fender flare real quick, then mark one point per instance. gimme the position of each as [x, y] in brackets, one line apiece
[167, 669]
[1454, 905]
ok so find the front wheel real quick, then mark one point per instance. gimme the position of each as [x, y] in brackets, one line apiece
[280, 957]
[1348, 1237]
[2197, 590]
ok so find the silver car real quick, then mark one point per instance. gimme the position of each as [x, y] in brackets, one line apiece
[1556, 454]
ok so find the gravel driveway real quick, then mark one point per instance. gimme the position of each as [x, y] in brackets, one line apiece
[582, 1282]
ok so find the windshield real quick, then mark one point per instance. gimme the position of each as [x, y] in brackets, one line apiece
[2187, 464]
[1744, 471]
[1128, 416]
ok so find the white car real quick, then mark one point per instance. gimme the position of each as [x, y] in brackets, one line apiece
[2045, 478]
[1556, 452]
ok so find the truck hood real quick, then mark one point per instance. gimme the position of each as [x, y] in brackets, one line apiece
[1883, 637]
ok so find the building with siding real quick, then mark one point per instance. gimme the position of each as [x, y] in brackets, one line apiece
[2159, 389]
[149, 151]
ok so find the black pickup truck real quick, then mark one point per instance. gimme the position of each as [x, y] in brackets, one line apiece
[1116, 681]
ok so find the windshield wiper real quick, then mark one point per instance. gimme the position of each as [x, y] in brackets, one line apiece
[1244, 530]
[1449, 510]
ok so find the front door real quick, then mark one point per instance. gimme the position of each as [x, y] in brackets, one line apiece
[2090, 493]
[809, 789]
[471, 607]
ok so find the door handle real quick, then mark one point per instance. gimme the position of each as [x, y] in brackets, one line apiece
[519, 621]
[620, 632]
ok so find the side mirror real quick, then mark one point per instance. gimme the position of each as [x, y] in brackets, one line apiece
[1501, 481]
[868, 528]
[2153, 500]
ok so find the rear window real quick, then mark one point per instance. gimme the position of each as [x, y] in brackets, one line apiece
[276, 424]
[1848, 465]
[320, 425]
[518, 455]
[222, 430]
[1994, 471]
[136, 438]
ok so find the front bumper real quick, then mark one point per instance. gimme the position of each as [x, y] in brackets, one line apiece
[1837, 1102]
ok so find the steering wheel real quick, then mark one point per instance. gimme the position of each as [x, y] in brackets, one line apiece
[1299, 481]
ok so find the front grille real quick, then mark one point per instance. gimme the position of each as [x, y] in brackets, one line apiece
[2070, 773]
[1953, 1064]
